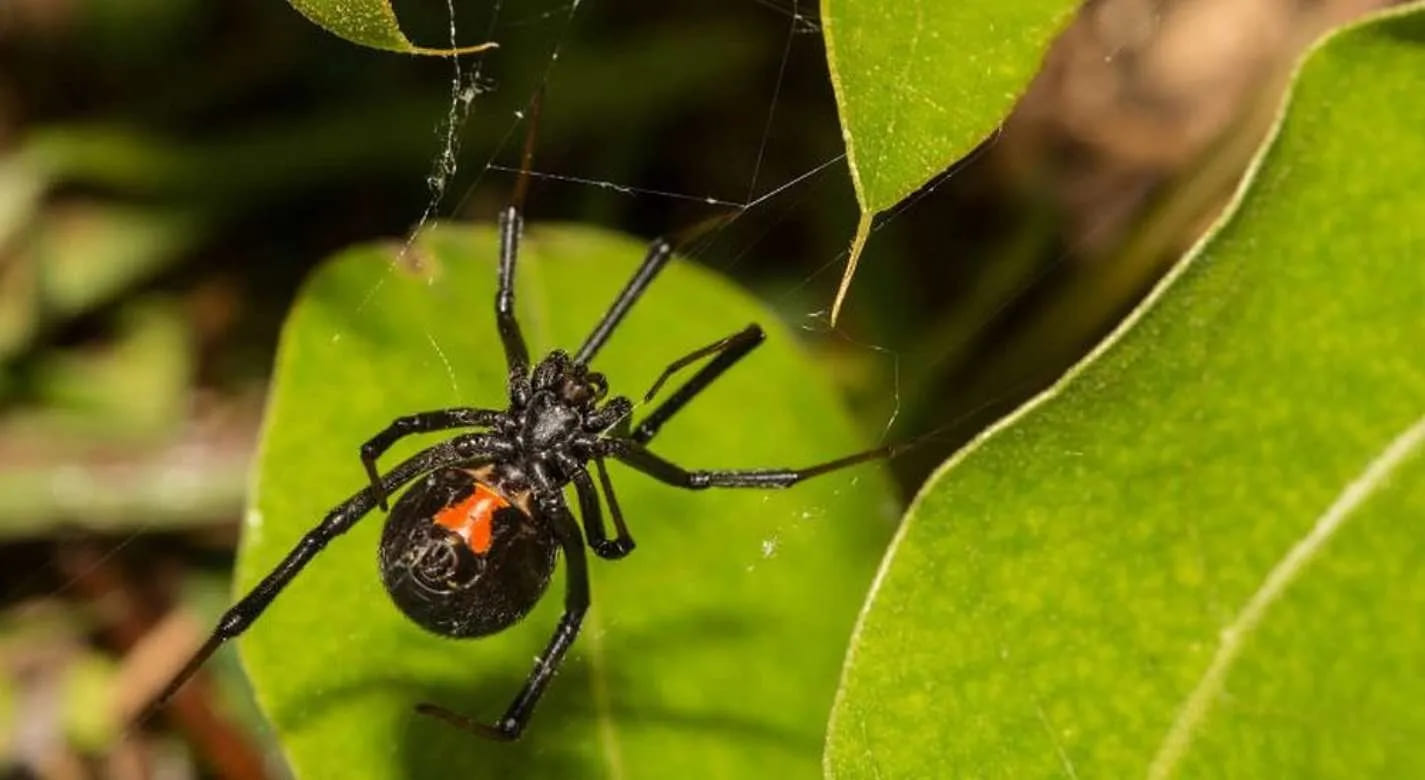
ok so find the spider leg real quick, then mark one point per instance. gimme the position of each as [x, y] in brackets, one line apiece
[653, 262]
[728, 352]
[339, 520]
[551, 506]
[640, 459]
[622, 536]
[516, 353]
[739, 343]
[423, 422]
[609, 549]
[511, 225]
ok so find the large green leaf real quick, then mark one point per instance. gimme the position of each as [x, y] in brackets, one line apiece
[711, 651]
[371, 23]
[920, 83]
[1201, 552]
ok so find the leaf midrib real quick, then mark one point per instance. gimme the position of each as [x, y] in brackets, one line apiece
[1199, 701]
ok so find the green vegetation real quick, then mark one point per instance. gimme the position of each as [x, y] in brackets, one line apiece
[711, 651]
[1195, 554]
[370, 23]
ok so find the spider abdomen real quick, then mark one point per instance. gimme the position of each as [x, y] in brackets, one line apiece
[460, 558]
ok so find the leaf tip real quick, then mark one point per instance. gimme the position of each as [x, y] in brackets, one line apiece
[858, 245]
[454, 52]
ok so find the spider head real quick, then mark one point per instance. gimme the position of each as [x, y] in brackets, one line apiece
[460, 558]
[583, 389]
[572, 383]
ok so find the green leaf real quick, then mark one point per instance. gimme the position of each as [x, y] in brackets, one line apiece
[920, 83]
[371, 23]
[711, 651]
[1200, 553]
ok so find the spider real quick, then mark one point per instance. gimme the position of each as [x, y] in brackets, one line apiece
[470, 547]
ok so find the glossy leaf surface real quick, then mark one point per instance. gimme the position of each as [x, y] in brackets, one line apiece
[1201, 553]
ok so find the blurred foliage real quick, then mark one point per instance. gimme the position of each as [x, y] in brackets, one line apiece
[171, 169]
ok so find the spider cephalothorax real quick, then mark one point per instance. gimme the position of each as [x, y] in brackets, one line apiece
[461, 553]
[554, 416]
[469, 548]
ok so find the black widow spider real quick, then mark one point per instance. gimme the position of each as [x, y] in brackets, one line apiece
[468, 550]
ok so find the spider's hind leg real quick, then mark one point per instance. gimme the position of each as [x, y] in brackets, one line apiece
[576, 603]
[341, 518]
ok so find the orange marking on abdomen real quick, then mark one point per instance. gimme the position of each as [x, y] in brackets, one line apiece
[474, 518]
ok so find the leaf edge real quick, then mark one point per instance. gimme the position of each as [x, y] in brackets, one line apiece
[1130, 321]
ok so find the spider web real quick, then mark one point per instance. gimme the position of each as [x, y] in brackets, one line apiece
[493, 170]
[470, 80]
[763, 201]
[800, 30]
[764, 205]
[458, 175]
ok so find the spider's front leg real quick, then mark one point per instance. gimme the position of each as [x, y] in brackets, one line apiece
[549, 503]
[658, 255]
[423, 422]
[516, 353]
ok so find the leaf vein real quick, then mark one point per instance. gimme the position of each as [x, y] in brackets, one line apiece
[1064, 761]
[599, 689]
[1200, 700]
